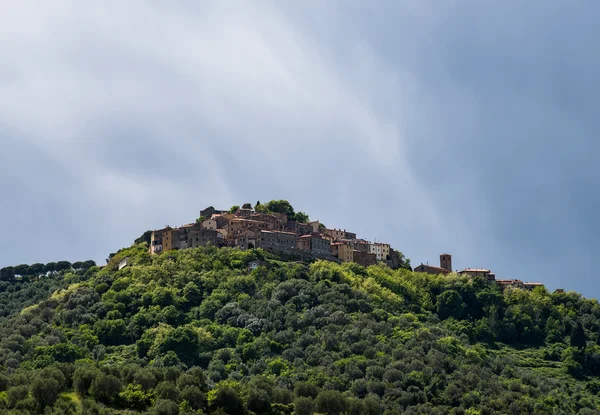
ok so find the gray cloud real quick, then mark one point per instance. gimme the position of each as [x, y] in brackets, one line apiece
[466, 129]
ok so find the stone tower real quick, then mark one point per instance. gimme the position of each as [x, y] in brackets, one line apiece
[446, 262]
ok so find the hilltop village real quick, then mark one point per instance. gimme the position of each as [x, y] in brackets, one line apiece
[246, 228]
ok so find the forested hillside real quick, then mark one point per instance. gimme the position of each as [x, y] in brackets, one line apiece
[195, 331]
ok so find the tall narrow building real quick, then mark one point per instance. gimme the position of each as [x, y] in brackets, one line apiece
[446, 262]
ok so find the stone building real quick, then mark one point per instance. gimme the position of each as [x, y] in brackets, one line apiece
[333, 248]
[444, 268]
[303, 242]
[345, 253]
[364, 258]
[248, 238]
[298, 228]
[202, 237]
[210, 224]
[429, 269]
[156, 241]
[479, 272]
[275, 239]
[446, 261]
[314, 243]
[319, 245]
[286, 240]
[339, 234]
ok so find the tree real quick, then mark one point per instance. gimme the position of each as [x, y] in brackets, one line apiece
[44, 392]
[145, 237]
[135, 397]
[7, 274]
[247, 206]
[83, 378]
[184, 341]
[450, 304]
[194, 397]
[35, 269]
[281, 206]
[167, 390]
[192, 294]
[165, 407]
[258, 401]
[228, 399]
[301, 217]
[88, 264]
[578, 338]
[62, 266]
[331, 402]
[105, 388]
[145, 378]
[304, 406]
[233, 209]
[16, 394]
[22, 269]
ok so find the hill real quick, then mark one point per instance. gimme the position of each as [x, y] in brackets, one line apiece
[196, 331]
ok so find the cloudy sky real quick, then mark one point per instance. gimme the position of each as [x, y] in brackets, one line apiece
[468, 127]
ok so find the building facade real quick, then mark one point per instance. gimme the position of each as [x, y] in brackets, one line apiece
[364, 258]
[429, 269]
[210, 224]
[345, 253]
[479, 272]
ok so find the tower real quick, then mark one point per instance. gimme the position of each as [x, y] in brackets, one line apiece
[446, 262]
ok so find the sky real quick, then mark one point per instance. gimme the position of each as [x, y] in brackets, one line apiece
[468, 127]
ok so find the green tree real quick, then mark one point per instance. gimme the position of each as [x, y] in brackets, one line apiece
[258, 400]
[227, 398]
[247, 206]
[194, 397]
[301, 217]
[331, 402]
[281, 206]
[22, 269]
[167, 390]
[36, 269]
[233, 209]
[62, 266]
[144, 238]
[304, 406]
[44, 392]
[578, 338]
[105, 388]
[83, 378]
[16, 394]
[165, 407]
[135, 397]
[450, 304]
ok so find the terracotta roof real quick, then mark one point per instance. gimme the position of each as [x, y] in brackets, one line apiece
[433, 268]
[475, 270]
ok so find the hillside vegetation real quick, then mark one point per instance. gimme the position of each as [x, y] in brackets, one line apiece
[194, 332]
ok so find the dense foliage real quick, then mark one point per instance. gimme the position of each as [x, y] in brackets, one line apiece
[195, 331]
[281, 206]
